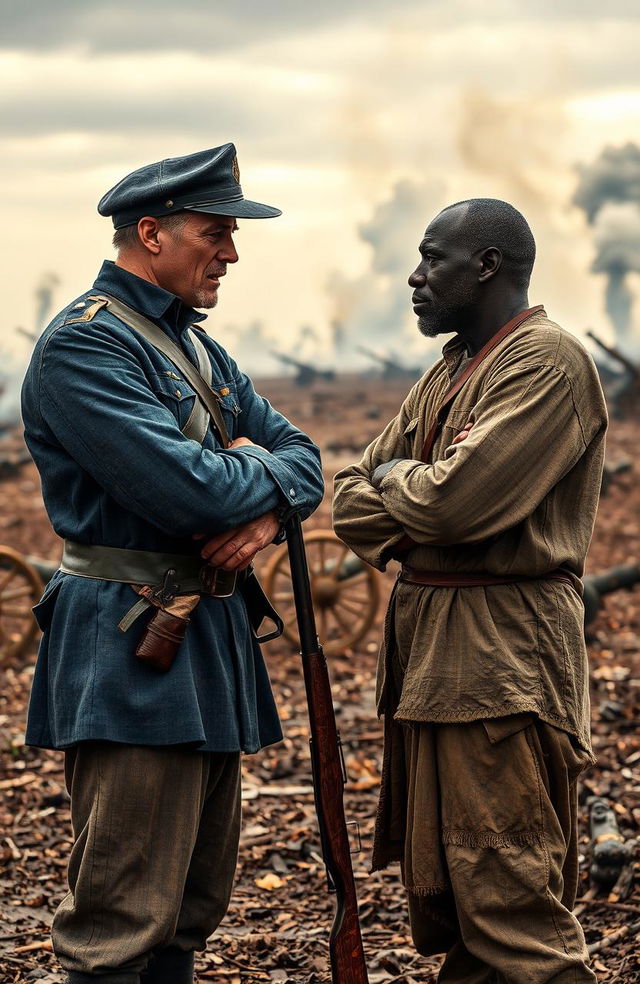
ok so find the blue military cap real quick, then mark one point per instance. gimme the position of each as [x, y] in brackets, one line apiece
[208, 181]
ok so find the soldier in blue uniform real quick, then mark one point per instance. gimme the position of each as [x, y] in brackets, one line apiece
[149, 490]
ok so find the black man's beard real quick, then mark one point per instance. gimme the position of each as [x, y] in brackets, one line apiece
[445, 320]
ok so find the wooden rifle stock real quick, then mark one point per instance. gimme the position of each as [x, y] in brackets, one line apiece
[345, 941]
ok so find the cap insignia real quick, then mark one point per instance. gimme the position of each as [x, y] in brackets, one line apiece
[235, 170]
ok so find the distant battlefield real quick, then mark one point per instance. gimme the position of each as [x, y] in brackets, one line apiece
[342, 389]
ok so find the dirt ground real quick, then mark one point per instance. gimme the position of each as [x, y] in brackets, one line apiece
[277, 926]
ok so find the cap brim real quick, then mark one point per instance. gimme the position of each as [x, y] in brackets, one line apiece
[241, 209]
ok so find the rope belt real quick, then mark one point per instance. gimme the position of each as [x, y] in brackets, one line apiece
[440, 579]
[188, 574]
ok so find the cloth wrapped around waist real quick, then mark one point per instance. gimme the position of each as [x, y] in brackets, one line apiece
[474, 579]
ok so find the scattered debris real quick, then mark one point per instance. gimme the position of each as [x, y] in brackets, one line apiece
[268, 935]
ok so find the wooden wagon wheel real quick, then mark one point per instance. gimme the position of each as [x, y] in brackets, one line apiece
[20, 589]
[344, 589]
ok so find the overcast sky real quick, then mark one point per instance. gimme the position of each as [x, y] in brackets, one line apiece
[359, 118]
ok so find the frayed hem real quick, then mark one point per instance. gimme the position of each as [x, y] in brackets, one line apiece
[466, 838]
[427, 890]
[382, 859]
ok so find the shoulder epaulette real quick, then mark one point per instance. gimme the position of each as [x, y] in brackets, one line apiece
[90, 313]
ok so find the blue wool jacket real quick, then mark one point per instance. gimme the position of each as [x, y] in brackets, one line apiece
[102, 411]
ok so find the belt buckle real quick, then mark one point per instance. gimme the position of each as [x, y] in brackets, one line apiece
[168, 588]
[217, 582]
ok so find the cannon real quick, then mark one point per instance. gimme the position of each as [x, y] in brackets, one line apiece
[10, 464]
[22, 580]
[390, 368]
[598, 585]
[625, 390]
[616, 355]
[30, 335]
[610, 852]
[610, 472]
[305, 373]
[345, 591]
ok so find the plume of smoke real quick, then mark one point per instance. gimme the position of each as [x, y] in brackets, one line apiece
[13, 370]
[609, 193]
[14, 363]
[250, 347]
[44, 297]
[374, 309]
[491, 136]
[617, 239]
[613, 177]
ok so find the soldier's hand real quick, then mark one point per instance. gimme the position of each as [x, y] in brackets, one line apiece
[235, 549]
[242, 442]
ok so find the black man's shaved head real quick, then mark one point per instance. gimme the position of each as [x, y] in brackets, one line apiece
[491, 222]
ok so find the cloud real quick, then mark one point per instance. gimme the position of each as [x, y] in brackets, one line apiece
[332, 107]
[163, 25]
[177, 93]
[374, 308]
[395, 70]
[195, 25]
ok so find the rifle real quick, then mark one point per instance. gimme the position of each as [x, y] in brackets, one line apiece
[329, 775]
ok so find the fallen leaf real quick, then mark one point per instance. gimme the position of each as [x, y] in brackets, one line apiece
[270, 882]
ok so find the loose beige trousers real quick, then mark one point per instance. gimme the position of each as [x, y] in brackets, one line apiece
[156, 843]
[506, 845]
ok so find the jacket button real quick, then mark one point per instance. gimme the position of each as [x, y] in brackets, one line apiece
[178, 392]
[292, 493]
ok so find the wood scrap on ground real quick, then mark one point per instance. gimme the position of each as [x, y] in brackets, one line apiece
[277, 927]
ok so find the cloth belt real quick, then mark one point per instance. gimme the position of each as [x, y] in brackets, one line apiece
[440, 579]
[188, 574]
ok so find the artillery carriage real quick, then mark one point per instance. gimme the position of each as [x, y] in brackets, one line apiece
[22, 581]
[345, 594]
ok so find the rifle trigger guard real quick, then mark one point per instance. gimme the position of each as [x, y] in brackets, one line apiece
[358, 849]
[343, 764]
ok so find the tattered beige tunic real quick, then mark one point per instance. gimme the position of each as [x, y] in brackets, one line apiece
[517, 497]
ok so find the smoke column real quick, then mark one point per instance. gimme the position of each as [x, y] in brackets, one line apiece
[609, 194]
[14, 363]
[44, 297]
[374, 309]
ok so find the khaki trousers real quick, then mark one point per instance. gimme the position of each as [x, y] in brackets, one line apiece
[508, 844]
[156, 843]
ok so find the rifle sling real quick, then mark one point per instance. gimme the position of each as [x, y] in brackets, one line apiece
[198, 423]
[160, 340]
[259, 607]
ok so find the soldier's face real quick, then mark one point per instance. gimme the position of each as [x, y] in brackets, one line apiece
[194, 256]
[445, 284]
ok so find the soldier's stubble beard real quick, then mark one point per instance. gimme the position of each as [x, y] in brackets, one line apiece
[206, 298]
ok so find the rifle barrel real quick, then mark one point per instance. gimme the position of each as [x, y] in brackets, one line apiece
[345, 942]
